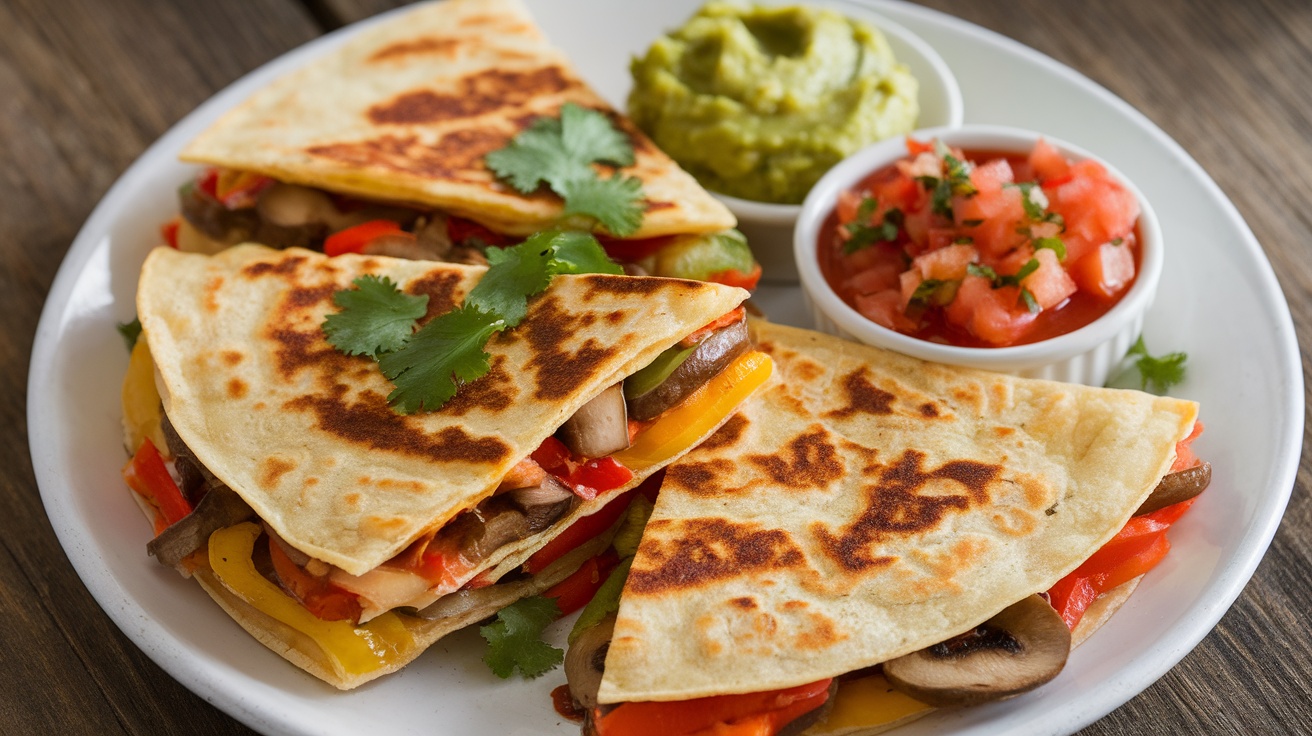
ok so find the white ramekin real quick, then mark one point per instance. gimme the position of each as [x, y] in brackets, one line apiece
[769, 227]
[1086, 355]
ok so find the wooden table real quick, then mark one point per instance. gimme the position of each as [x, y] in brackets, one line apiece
[85, 86]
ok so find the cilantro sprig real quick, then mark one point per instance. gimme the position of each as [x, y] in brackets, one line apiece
[131, 332]
[864, 232]
[1155, 374]
[561, 153]
[428, 365]
[514, 640]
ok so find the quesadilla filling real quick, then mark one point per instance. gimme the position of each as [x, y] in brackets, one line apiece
[224, 207]
[1018, 650]
[680, 397]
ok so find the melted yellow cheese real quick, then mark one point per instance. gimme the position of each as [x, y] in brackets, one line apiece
[679, 428]
[352, 650]
[141, 410]
[867, 703]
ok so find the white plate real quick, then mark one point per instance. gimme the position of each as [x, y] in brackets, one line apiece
[1219, 301]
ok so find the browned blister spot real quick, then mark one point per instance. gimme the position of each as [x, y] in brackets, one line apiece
[745, 602]
[433, 45]
[1004, 431]
[929, 410]
[557, 372]
[728, 434]
[211, 294]
[807, 371]
[809, 460]
[490, 91]
[863, 397]
[492, 392]
[691, 553]
[281, 267]
[237, 388]
[818, 633]
[369, 422]
[231, 358]
[701, 478]
[272, 469]
[601, 284]
[895, 506]
[457, 156]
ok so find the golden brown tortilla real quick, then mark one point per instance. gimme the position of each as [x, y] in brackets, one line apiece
[407, 109]
[865, 505]
[303, 432]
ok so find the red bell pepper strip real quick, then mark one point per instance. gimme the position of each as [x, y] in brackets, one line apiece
[1135, 550]
[147, 475]
[169, 231]
[750, 713]
[628, 251]
[353, 239]
[460, 231]
[575, 591]
[734, 277]
[319, 595]
[594, 477]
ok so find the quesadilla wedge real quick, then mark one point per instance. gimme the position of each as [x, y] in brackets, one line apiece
[381, 146]
[348, 537]
[863, 508]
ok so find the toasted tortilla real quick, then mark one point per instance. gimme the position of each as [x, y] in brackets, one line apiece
[304, 433]
[864, 505]
[407, 109]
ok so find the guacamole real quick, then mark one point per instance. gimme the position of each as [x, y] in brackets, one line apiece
[759, 102]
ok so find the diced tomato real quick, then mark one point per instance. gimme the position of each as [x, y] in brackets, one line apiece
[1105, 270]
[884, 308]
[993, 315]
[1095, 207]
[1048, 162]
[208, 182]
[575, 591]
[915, 147]
[577, 533]
[354, 239]
[320, 596]
[946, 264]
[992, 219]
[731, 715]
[879, 277]
[1135, 550]
[1049, 283]
[990, 176]
[847, 205]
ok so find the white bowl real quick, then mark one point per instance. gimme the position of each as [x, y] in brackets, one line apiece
[1086, 355]
[769, 226]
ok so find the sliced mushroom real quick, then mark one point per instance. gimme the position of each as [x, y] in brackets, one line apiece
[1017, 650]
[585, 662]
[1181, 485]
[289, 205]
[711, 356]
[219, 508]
[600, 427]
[545, 503]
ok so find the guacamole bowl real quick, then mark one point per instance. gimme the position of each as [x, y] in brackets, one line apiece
[1008, 251]
[769, 226]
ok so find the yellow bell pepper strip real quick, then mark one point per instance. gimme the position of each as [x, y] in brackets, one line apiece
[865, 703]
[141, 413]
[677, 429]
[351, 649]
[145, 473]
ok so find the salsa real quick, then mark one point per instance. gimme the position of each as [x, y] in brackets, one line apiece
[983, 248]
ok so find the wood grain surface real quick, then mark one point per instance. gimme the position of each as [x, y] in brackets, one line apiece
[86, 85]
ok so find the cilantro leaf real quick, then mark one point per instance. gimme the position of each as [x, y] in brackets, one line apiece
[577, 252]
[376, 316]
[1155, 374]
[863, 235]
[514, 274]
[448, 351]
[560, 152]
[514, 640]
[1055, 244]
[130, 331]
[615, 202]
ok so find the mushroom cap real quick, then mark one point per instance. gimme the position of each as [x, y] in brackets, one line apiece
[1016, 651]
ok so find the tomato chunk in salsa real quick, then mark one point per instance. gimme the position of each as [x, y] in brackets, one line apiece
[983, 248]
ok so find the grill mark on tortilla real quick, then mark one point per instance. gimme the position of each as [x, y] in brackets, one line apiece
[372, 423]
[432, 45]
[493, 392]
[272, 469]
[478, 94]
[457, 156]
[303, 297]
[728, 434]
[440, 287]
[894, 507]
[703, 479]
[694, 552]
[556, 372]
[281, 267]
[298, 350]
[600, 283]
[863, 396]
[808, 461]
